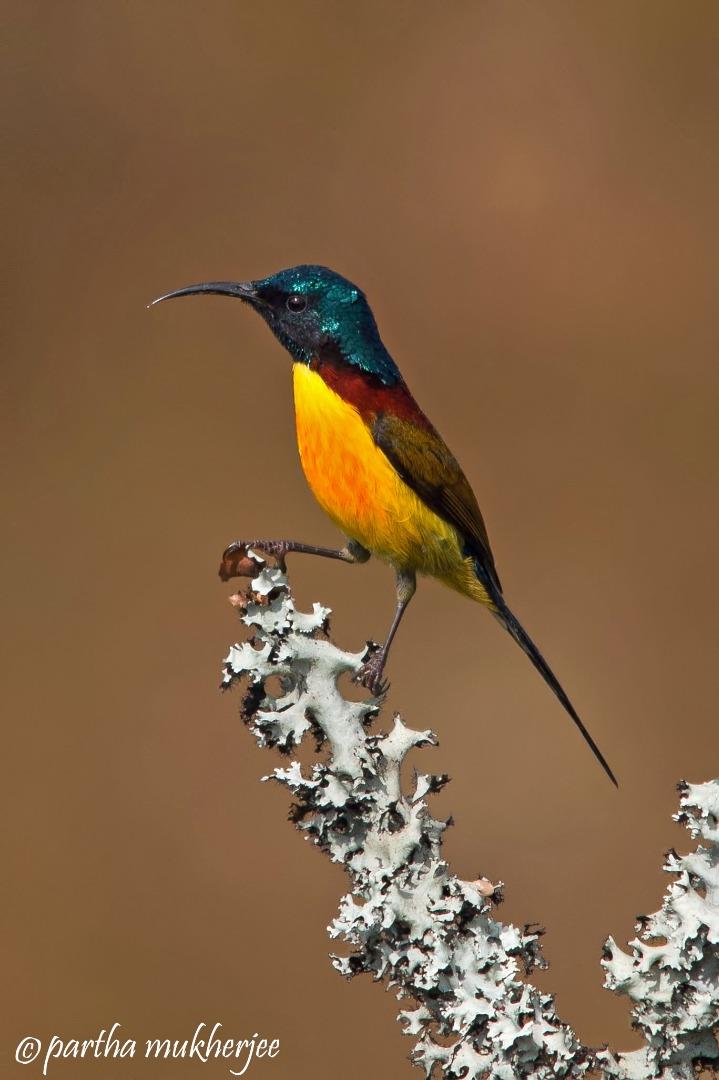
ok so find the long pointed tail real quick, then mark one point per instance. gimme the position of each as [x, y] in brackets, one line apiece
[511, 623]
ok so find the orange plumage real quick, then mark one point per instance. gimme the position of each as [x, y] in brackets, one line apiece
[355, 484]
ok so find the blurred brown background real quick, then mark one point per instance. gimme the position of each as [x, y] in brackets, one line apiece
[528, 193]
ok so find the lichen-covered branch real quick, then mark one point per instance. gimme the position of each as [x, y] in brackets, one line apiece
[672, 974]
[431, 936]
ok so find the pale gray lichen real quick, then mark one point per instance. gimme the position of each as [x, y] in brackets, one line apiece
[416, 926]
[672, 974]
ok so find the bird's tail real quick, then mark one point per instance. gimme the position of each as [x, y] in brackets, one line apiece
[511, 623]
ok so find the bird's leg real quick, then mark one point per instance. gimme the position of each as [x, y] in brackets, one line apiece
[234, 556]
[370, 674]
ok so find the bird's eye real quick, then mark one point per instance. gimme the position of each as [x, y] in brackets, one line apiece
[296, 303]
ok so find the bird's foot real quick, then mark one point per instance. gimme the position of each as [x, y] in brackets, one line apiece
[370, 674]
[237, 563]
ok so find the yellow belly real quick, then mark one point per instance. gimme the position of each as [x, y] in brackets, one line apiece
[356, 485]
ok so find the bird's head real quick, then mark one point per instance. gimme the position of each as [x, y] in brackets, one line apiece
[317, 315]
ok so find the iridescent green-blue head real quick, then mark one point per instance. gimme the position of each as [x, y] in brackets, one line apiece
[316, 314]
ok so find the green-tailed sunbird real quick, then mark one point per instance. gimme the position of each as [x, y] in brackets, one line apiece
[373, 460]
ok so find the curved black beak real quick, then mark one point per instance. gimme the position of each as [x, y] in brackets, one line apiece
[243, 290]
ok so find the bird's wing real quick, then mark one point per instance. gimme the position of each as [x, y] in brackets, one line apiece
[427, 465]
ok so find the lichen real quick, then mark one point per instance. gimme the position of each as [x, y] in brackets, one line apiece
[433, 938]
[672, 973]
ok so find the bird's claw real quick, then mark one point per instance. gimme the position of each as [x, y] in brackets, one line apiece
[278, 548]
[237, 563]
[370, 675]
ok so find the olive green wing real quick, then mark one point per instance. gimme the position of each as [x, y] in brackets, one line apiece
[427, 465]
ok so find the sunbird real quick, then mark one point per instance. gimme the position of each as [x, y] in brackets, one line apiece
[372, 459]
